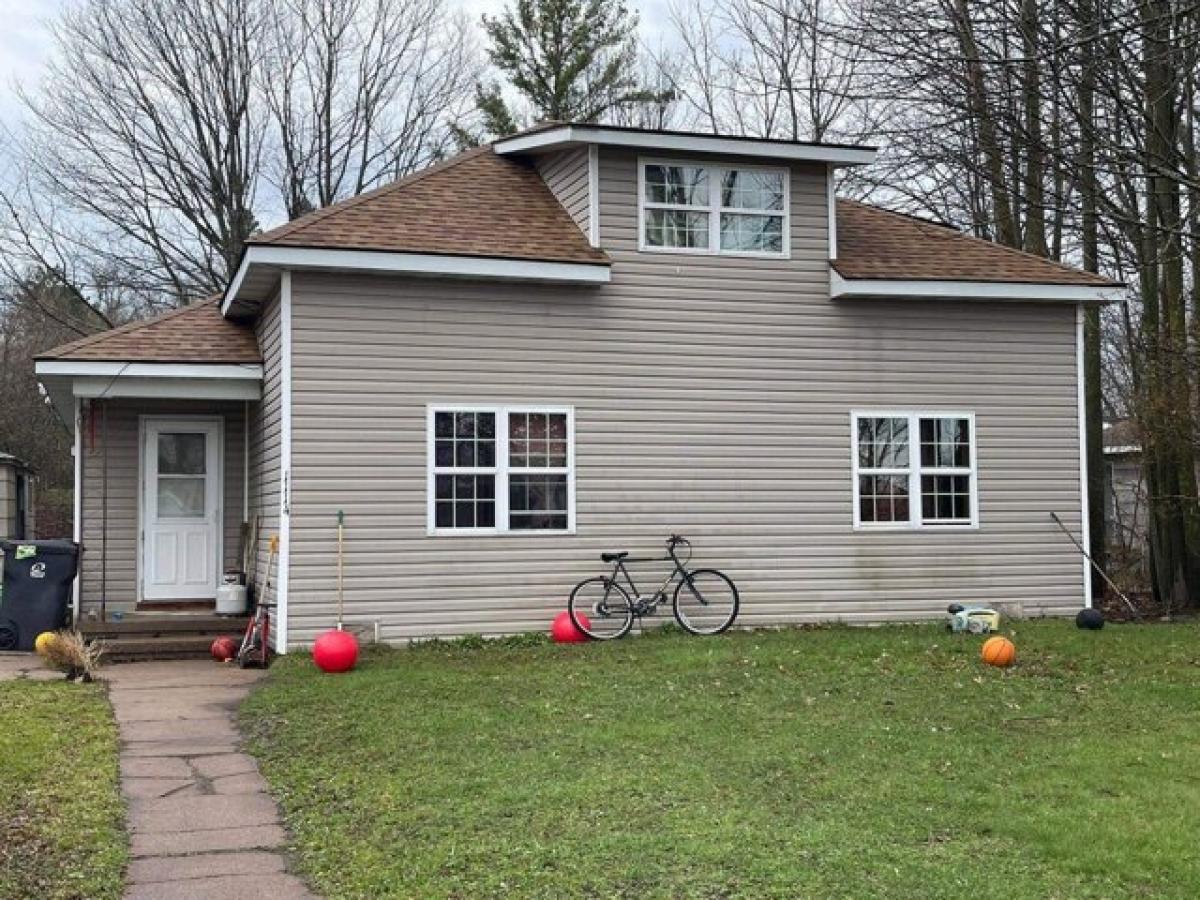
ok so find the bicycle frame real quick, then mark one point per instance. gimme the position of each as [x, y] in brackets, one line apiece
[641, 606]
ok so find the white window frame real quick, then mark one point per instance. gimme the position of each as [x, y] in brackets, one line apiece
[714, 208]
[501, 470]
[914, 471]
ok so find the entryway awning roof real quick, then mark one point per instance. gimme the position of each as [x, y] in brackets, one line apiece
[193, 352]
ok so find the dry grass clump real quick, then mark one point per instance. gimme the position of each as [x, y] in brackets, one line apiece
[71, 653]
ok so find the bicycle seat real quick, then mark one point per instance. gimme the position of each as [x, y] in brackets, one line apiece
[613, 557]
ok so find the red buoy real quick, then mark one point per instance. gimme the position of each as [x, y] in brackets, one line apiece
[224, 649]
[335, 651]
[563, 630]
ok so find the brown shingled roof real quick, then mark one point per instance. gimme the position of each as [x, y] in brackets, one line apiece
[192, 334]
[475, 204]
[873, 243]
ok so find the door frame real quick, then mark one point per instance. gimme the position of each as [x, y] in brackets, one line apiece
[142, 518]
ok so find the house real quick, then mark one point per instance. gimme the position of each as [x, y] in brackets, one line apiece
[1126, 505]
[16, 498]
[582, 339]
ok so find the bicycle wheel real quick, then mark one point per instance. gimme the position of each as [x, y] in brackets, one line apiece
[706, 602]
[600, 608]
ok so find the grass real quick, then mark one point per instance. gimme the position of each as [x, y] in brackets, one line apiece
[62, 833]
[824, 763]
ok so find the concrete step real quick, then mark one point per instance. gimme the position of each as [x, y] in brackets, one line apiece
[165, 626]
[140, 649]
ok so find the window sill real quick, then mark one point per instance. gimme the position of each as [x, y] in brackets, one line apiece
[892, 529]
[707, 252]
[496, 532]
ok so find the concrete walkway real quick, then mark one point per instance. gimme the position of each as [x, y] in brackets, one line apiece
[201, 823]
[25, 665]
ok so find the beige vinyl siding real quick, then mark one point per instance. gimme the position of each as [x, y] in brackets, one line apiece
[566, 174]
[111, 567]
[265, 446]
[712, 397]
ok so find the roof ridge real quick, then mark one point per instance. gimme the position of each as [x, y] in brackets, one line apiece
[957, 233]
[319, 215]
[90, 339]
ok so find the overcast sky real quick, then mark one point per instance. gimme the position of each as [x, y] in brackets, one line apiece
[25, 42]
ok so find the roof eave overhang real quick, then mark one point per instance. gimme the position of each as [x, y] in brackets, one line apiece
[261, 264]
[567, 136]
[66, 380]
[933, 289]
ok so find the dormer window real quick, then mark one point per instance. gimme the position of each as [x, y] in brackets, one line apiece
[728, 210]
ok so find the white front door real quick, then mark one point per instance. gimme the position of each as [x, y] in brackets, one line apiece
[181, 509]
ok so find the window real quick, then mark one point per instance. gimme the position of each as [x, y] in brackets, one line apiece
[914, 470]
[501, 469]
[714, 209]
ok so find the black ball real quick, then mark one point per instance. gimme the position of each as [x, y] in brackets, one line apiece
[1091, 619]
[954, 608]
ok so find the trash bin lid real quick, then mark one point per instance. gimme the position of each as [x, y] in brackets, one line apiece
[42, 548]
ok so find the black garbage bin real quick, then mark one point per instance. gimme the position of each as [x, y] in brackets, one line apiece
[37, 589]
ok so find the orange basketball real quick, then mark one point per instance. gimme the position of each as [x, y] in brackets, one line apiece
[999, 651]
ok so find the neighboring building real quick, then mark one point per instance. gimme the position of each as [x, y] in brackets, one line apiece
[1126, 508]
[16, 499]
[581, 339]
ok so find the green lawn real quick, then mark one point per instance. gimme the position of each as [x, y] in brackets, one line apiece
[62, 832]
[825, 763]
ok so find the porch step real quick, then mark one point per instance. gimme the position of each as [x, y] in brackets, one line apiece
[142, 637]
[165, 626]
[138, 649]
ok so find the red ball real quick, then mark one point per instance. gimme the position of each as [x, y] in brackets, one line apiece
[224, 649]
[563, 630]
[335, 651]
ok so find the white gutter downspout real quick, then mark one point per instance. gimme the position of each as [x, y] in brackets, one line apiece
[246, 463]
[285, 459]
[1086, 525]
[77, 513]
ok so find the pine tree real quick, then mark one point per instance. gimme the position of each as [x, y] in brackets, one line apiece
[570, 60]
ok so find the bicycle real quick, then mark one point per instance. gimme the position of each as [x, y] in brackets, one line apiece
[256, 642]
[705, 601]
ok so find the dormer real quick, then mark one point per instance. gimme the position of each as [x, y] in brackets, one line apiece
[698, 195]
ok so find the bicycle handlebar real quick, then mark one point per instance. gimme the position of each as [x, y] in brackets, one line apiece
[675, 539]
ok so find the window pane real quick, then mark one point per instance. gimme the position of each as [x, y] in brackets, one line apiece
[751, 189]
[537, 440]
[678, 185]
[741, 231]
[181, 454]
[464, 440]
[883, 498]
[946, 498]
[537, 502]
[181, 498]
[882, 443]
[465, 501]
[675, 228]
[945, 443]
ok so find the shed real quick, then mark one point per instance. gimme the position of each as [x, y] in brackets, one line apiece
[16, 498]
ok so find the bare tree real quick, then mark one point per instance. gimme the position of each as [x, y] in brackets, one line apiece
[360, 92]
[148, 128]
[773, 68]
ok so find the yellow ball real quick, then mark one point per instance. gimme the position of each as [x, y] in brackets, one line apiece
[43, 641]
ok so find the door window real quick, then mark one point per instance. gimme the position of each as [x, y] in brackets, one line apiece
[182, 471]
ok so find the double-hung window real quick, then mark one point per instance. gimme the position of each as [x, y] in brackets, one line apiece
[693, 208]
[496, 469]
[914, 470]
